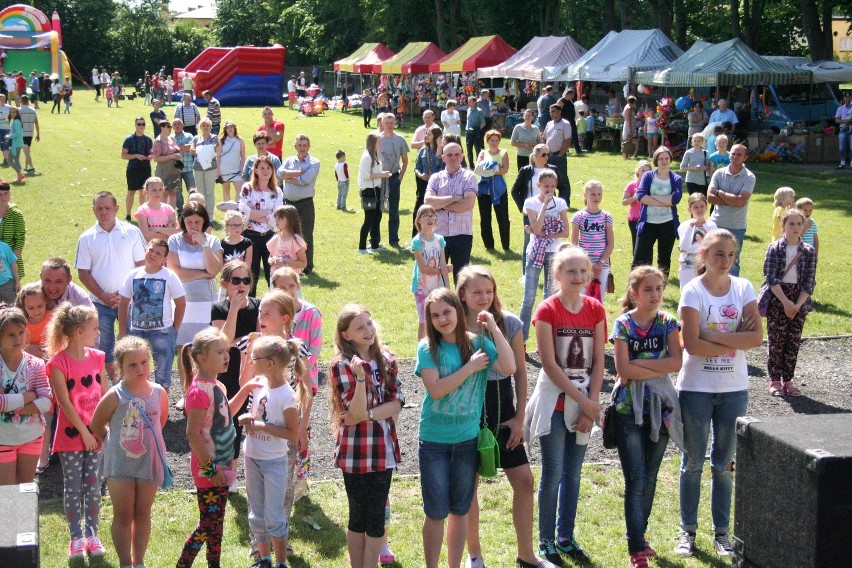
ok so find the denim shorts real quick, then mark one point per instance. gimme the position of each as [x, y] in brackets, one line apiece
[447, 477]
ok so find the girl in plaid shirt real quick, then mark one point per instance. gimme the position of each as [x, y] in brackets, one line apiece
[365, 401]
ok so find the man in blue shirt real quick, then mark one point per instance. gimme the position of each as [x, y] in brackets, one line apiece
[545, 101]
[474, 131]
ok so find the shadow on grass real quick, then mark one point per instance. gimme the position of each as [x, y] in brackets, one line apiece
[829, 308]
[240, 505]
[753, 238]
[392, 256]
[316, 279]
[310, 525]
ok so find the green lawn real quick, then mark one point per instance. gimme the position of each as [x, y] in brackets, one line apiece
[319, 539]
[79, 155]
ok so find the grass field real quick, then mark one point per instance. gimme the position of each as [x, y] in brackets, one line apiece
[318, 532]
[79, 154]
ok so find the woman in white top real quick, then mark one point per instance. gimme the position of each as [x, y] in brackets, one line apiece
[259, 198]
[720, 321]
[232, 158]
[524, 137]
[370, 176]
[451, 120]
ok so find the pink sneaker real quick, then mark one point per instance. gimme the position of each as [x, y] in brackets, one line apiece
[649, 552]
[387, 556]
[94, 546]
[75, 549]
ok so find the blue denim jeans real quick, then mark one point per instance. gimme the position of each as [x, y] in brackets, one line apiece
[700, 411]
[561, 466]
[531, 276]
[447, 477]
[640, 462]
[266, 483]
[162, 343]
[845, 144]
[106, 327]
[739, 234]
[393, 209]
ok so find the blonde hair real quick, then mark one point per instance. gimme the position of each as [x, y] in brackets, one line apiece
[65, 321]
[635, 279]
[128, 344]
[284, 352]
[189, 353]
[566, 253]
[722, 138]
[592, 183]
[472, 271]
[284, 301]
[345, 349]
[640, 165]
[712, 238]
[285, 272]
[286, 305]
[782, 194]
[694, 198]
[152, 180]
[233, 214]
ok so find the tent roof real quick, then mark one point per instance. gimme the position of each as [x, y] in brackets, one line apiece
[368, 53]
[828, 71]
[723, 64]
[617, 55]
[539, 53]
[373, 59]
[413, 59]
[475, 53]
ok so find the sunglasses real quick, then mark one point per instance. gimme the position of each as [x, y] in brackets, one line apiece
[236, 280]
[544, 154]
[140, 124]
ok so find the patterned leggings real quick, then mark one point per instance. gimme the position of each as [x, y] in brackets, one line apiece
[82, 490]
[211, 508]
[784, 336]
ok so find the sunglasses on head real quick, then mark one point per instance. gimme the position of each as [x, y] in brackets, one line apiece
[235, 280]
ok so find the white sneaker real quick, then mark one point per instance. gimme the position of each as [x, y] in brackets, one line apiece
[722, 545]
[474, 562]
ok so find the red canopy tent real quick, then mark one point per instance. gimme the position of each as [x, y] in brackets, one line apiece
[373, 60]
[485, 51]
[368, 54]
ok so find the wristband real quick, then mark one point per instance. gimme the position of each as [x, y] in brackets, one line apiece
[357, 380]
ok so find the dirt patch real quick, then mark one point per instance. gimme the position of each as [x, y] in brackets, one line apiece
[823, 374]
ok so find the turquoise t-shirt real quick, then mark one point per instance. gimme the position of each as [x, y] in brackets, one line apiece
[455, 417]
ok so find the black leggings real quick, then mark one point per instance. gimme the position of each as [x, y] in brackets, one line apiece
[367, 494]
[373, 225]
[259, 252]
[664, 235]
[502, 211]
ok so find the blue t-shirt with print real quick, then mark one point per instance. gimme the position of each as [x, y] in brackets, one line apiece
[7, 259]
[650, 343]
[455, 417]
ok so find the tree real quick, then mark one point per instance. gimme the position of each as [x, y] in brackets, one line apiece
[246, 22]
[816, 23]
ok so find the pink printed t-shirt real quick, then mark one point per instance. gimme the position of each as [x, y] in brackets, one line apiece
[633, 208]
[157, 218]
[217, 430]
[286, 248]
[83, 379]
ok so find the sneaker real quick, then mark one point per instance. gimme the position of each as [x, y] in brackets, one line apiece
[722, 545]
[841, 167]
[548, 550]
[637, 560]
[94, 546]
[386, 556]
[127, 218]
[542, 564]
[262, 563]
[29, 170]
[365, 251]
[474, 562]
[281, 565]
[77, 548]
[572, 550]
[685, 544]
[648, 552]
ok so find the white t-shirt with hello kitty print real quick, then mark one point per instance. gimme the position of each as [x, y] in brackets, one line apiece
[727, 372]
[592, 232]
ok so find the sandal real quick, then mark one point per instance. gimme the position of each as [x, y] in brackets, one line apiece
[776, 388]
[791, 390]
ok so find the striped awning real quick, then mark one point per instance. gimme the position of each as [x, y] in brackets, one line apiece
[530, 61]
[475, 53]
[412, 59]
[723, 64]
[369, 53]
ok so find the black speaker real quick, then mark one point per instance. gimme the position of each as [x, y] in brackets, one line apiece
[19, 526]
[793, 492]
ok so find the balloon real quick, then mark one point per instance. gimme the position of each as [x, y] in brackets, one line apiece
[640, 88]
[683, 104]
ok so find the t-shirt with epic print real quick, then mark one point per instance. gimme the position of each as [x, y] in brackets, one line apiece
[151, 298]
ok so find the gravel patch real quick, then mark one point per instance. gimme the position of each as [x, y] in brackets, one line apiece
[823, 374]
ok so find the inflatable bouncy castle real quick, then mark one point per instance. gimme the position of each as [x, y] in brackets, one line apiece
[238, 75]
[31, 42]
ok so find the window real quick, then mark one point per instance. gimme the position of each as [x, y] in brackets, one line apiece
[845, 44]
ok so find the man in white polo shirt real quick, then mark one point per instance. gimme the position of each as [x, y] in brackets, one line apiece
[106, 253]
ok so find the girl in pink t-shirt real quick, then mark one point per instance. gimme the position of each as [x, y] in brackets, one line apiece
[78, 381]
[156, 219]
[629, 199]
[287, 247]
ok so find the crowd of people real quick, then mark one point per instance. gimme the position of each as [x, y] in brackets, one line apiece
[77, 385]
